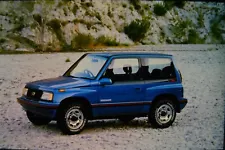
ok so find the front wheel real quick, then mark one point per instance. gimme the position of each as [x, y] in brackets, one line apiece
[72, 119]
[162, 113]
[37, 119]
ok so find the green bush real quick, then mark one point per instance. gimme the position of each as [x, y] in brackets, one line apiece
[216, 31]
[124, 5]
[180, 4]
[55, 25]
[181, 30]
[110, 14]
[38, 18]
[98, 16]
[181, 27]
[24, 40]
[103, 40]
[137, 29]
[29, 5]
[2, 40]
[169, 4]
[86, 5]
[160, 9]
[131, 8]
[82, 41]
[17, 45]
[18, 28]
[194, 38]
[200, 19]
[146, 7]
[136, 4]
[66, 0]
[75, 8]
[67, 60]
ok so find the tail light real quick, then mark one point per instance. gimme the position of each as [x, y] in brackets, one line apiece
[173, 80]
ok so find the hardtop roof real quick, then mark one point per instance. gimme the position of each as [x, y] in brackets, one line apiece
[110, 54]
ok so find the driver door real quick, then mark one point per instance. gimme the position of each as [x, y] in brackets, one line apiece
[125, 95]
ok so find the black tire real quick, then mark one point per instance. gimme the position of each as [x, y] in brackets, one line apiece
[126, 119]
[67, 120]
[37, 119]
[162, 114]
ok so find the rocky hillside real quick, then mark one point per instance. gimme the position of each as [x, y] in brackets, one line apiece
[56, 25]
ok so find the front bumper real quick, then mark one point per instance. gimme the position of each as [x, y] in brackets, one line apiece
[44, 109]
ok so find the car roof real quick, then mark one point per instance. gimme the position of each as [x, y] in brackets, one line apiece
[112, 54]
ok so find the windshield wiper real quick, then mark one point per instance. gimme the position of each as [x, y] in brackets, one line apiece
[78, 77]
[83, 77]
[71, 76]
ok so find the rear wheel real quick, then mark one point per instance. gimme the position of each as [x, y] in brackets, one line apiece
[37, 119]
[126, 119]
[162, 113]
[72, 119]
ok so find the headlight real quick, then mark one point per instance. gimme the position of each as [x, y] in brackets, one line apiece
[47, 96]
[24, 92]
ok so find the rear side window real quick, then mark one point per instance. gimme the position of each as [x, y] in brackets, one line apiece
[157, 68]
[123, 70]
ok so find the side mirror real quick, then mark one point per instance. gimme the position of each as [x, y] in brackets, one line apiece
[105, 81]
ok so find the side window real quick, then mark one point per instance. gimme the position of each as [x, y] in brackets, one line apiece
[157, 68]
[123, 70]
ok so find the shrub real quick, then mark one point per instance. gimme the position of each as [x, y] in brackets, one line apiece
[131, 8]
[38, 18]
[136, 4]
[24, 40]
[160, 9]
[55, 25]
[65, 11]
[17, 46]
[18, 28]
[29, 5]
[60, 3]
[146, 7]
[124, 5]
[67, 0]
[180, 4]
[2, 40]
[98, 16]
[75, 8]
[110, 14]
[181, 30]
[103, 40]
[86, 5]
[67, 60]
[169, 4]
[216, 31]
[201, 19]
[66, 47]
[137, 29]
[181, 27]
[194, 38]
[121, 17]
[82, 41]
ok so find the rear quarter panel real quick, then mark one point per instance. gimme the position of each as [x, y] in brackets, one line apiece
[154, 89]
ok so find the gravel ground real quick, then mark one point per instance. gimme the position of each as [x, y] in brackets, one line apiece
[199, 125]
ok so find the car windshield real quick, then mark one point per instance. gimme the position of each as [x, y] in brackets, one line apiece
[88, 67]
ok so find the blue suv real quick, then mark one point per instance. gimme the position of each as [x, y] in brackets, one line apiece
[108, 85]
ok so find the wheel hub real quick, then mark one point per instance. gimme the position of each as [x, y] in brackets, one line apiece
[74, 119]
[164, 114]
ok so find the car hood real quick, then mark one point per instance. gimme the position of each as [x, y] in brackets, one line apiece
[60, 82]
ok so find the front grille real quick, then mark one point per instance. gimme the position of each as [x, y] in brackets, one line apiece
[34, 94]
